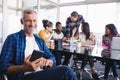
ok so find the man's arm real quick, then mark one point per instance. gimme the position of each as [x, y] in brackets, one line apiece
[7, 53]
[68, 27]
[16, 69]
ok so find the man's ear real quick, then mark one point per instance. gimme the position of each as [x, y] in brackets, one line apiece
[21, 20]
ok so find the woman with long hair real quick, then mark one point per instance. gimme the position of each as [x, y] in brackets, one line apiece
[87, 38]
[110, 32]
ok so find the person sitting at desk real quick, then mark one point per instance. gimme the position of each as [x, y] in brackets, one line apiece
[58, 34]
[87, 38]
[17, 49]
[110, 31]
[47, 33]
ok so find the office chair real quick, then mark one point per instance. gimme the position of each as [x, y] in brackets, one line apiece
[78, 60]
[2, 76]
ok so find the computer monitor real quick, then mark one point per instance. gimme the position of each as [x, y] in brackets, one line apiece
[115, 48]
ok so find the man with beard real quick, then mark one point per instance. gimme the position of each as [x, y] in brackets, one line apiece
[16, 53]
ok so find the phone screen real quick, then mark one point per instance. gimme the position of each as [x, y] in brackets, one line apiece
[36, 54]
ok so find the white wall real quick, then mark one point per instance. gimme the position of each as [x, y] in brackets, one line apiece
[98, 15]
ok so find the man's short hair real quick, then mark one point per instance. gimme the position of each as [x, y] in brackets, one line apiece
[57, 23]
[28, 11]
[74, 14]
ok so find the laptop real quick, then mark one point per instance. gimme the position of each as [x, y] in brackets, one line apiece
[115, 48]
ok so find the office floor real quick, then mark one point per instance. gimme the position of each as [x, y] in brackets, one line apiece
[100, 70]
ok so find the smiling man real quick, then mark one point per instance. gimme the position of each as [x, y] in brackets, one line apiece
[17, 50]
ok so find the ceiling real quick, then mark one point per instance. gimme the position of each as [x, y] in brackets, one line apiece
[53, 3]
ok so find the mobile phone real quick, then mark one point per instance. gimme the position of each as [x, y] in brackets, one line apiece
[36, 54]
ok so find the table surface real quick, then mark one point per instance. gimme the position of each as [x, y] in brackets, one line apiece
[93, 50]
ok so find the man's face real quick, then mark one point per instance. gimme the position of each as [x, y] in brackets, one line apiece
[30, 23]
[59, 27]
[73, 19]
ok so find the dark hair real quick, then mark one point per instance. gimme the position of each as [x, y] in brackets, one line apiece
[86, 29]
[112, 29]
[74, 14]
[57, 23]
[46, 23]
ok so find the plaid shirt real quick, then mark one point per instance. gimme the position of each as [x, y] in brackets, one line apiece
[13, 53]
[70, 25]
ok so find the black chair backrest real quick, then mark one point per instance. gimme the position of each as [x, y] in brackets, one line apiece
[2, 76]
[64, 30]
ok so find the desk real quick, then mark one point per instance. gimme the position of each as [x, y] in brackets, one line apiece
[81, 51]
[93, 51]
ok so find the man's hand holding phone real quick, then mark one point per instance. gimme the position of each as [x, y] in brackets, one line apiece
[49, 63]
[34, 61]
[36, 55]
[31, 66]
[45, 63]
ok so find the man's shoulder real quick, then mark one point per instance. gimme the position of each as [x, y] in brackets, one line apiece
[68, 19]
[80, 17]
[16, 35]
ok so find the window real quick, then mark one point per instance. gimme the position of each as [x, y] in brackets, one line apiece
[97, 15]
[49, 14]
[0, 27]
[1, 20]
[65, 14]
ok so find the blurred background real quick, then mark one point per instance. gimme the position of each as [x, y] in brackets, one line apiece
[97, 12]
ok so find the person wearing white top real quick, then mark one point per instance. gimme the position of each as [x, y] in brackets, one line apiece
[87, 38]
[59, 35]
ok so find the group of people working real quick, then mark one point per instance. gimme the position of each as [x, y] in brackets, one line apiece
[87, 38]
[18, 47]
